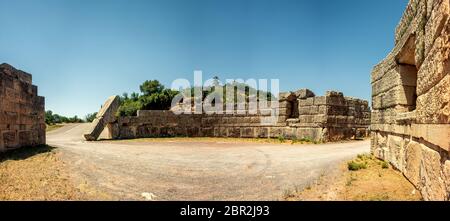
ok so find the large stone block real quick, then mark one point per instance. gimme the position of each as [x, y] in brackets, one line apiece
[432, 179]
[434, 106]
[438, 14]
[106, 115]
[396, 151]
[413, 159]
[304, 93]
[436, 134]
[436, 66]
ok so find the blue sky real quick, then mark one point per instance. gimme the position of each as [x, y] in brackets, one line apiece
[82, 51]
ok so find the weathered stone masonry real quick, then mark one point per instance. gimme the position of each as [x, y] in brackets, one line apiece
[411, 99]
[302, 115]
[22, 111]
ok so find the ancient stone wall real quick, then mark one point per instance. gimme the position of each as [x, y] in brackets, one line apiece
[411, 99]
[22, 111]
[301, 115]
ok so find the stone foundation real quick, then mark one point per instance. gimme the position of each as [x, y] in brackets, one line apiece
[22, 111]
[411, 99]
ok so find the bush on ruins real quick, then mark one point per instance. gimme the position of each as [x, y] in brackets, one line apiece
[154, 96]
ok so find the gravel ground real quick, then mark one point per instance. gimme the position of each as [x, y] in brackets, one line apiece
[196, 170]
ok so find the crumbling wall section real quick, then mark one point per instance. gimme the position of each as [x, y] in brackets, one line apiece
[22, 111]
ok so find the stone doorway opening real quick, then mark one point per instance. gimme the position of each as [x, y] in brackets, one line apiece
[406, 61]
[292, 107]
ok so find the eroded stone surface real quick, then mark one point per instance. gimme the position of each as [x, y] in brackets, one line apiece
[105, 116]
[22, 111]
[411, 99]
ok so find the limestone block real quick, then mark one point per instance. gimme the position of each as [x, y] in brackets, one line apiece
[304, 94]
[336, 101]
[393, 78]
[396, 151]
[285, 104]
[262, 132]
[307, 118]
[434, 105]
[247, 132]
[308, 110]
[437, 134]
[306, 102]
[413, 159]
[436, 66]
[223, 132]
[206, 132]
[322, 109]
[320, 100]
[105, 115]
[275, 132]
[432, 179]
[386, 83]
[113, 131]
[313, 134]
[289, 133]
[399, 95]
[436, 22]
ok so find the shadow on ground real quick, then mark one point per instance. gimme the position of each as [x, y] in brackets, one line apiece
[25, 152]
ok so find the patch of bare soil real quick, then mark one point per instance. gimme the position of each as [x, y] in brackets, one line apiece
[36, 174]
[363, 179]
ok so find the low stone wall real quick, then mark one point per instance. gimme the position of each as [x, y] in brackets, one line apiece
[301, 115]
[22, 111]
[411, 99]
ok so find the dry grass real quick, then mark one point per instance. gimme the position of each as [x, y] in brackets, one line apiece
[35, 174]
[376, 181]
[53, 127]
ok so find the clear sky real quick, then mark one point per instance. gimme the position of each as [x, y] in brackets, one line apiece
[82, 51]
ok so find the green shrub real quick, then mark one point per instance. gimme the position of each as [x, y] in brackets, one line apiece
[281, 139]
[355, 166]
[385, 165]
[91, 117]
[129, 108]
[306, 139]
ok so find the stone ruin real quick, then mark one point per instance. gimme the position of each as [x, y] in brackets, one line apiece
[411, 99]
[22, 111]
[106, 115]
[302, 115]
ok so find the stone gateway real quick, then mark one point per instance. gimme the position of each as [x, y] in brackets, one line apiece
[22, 111]
[411, 99]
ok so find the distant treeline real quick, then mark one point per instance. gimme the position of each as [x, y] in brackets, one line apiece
[51, 118]
[154, 96]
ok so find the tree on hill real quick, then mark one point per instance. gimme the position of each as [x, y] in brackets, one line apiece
[154, 96]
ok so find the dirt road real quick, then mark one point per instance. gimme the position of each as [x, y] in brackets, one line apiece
[197, 170]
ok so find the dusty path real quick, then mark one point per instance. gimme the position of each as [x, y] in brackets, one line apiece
[197, 170]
